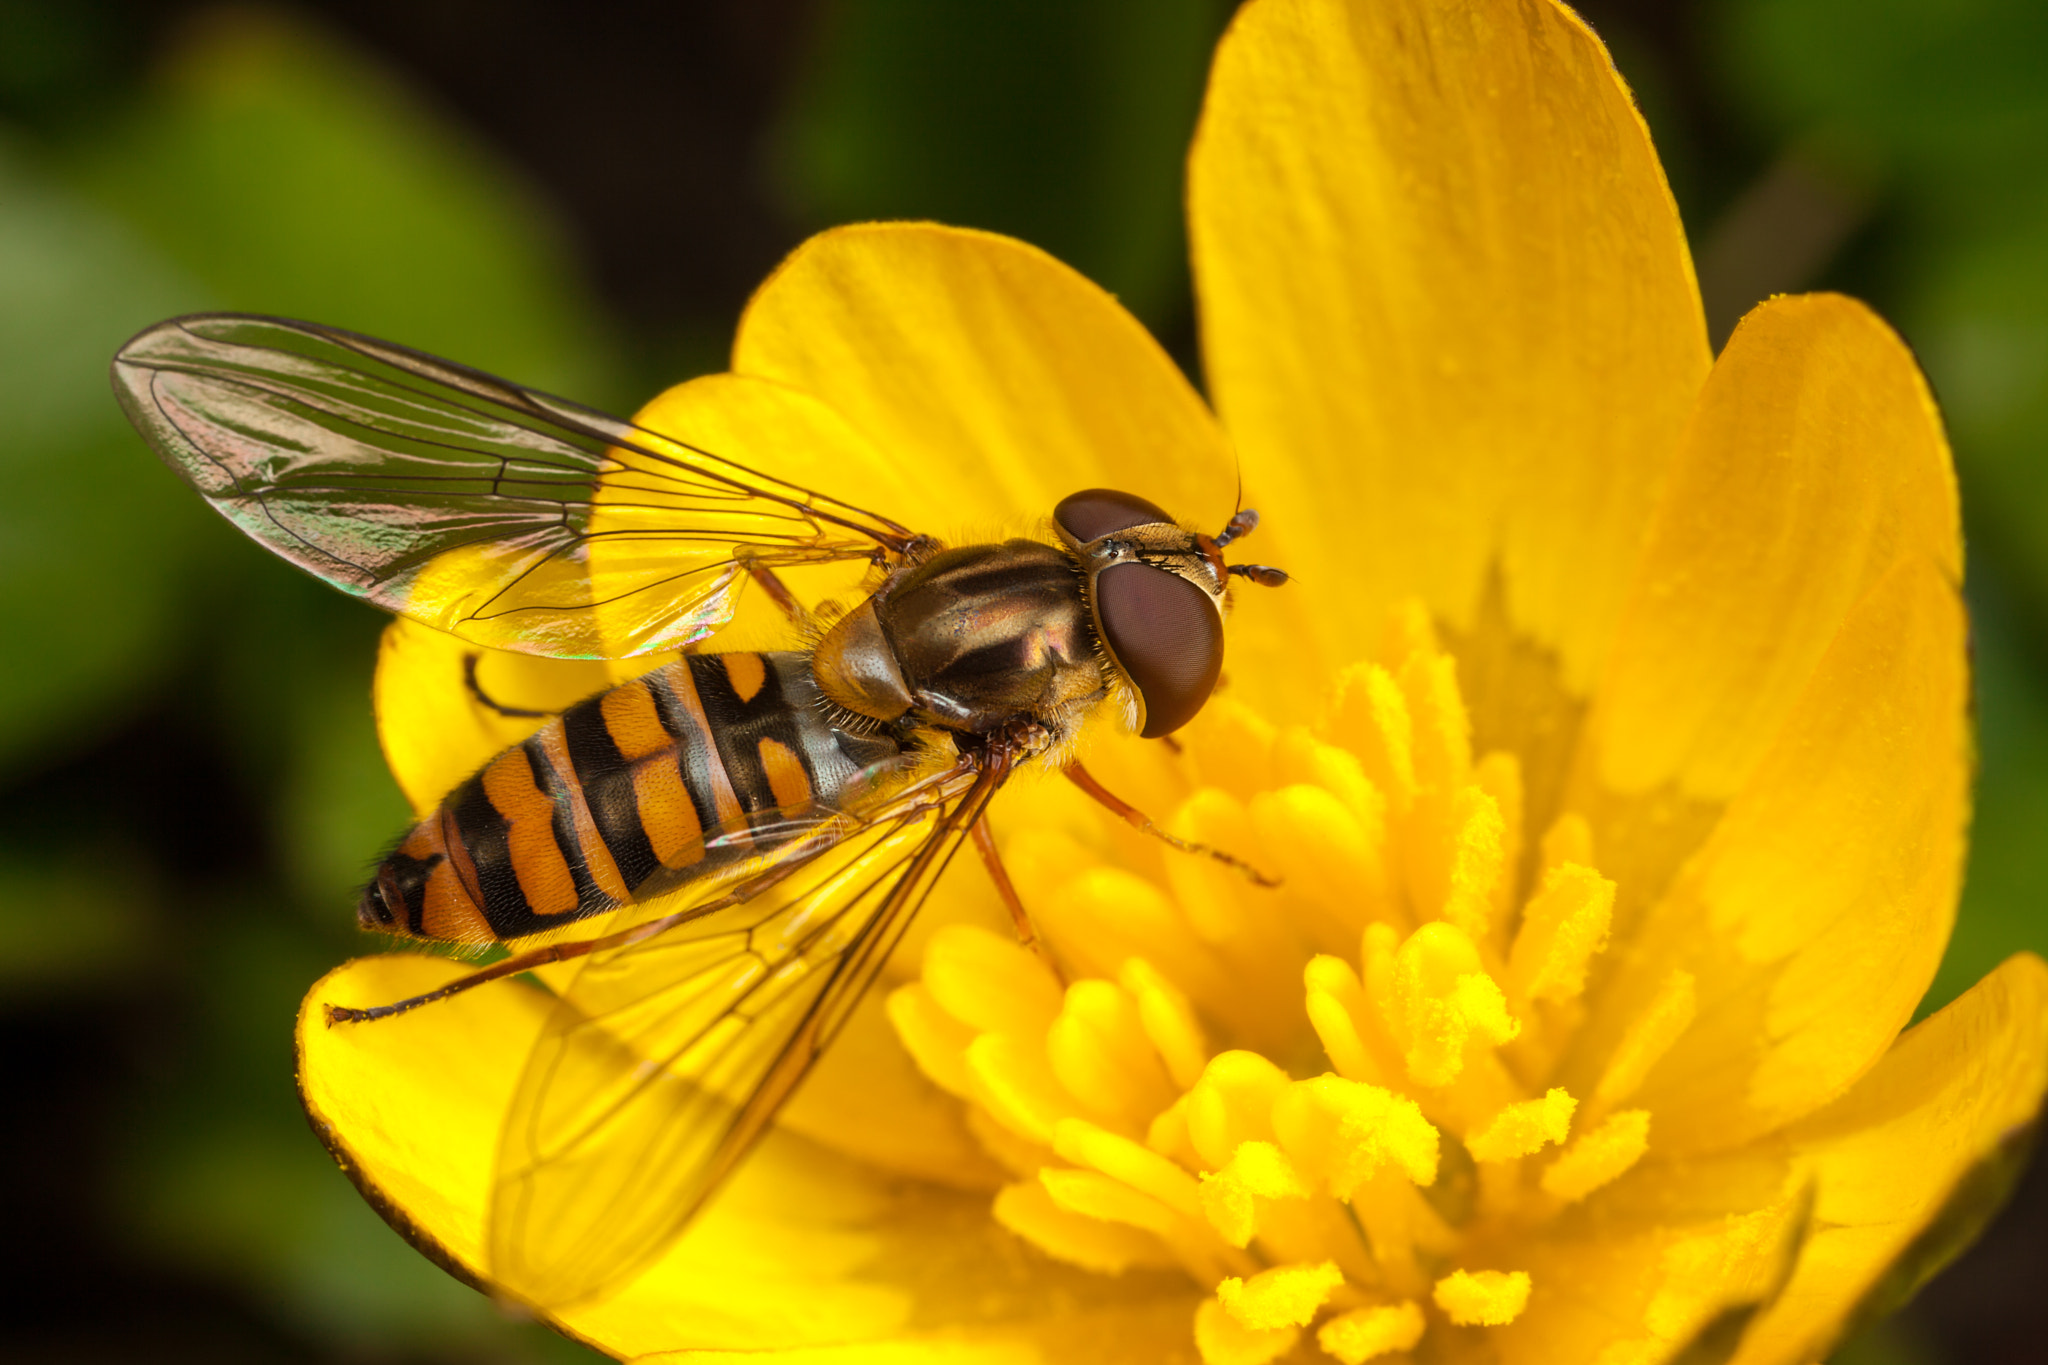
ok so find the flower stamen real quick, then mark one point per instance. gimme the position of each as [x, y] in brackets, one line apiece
[1290, 1200]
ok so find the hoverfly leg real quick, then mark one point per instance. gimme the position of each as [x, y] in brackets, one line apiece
[1142, 822]
[489, 703]
[511, 966]
[778, 591]
[1027, 932]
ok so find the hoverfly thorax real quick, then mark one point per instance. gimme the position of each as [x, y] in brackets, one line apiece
[1154, 593]
[976, 638]
[969, 639]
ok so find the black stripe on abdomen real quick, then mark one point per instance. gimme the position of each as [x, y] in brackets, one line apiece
[590, 899]
[740, 726]
[696, 750]
[486, 838]
[608, 790]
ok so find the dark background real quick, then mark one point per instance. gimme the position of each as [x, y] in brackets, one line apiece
[189, 782]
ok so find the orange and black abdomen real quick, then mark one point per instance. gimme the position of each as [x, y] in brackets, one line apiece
[675, 776]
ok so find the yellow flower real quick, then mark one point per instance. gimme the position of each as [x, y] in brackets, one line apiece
[1610, 747]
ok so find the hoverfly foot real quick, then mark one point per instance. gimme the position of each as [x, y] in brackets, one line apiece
[348, 1014]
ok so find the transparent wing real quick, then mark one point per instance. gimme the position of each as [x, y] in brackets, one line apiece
[667, 1058]
[498, 514]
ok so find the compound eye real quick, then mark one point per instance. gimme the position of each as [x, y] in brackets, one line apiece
[1096, 512]
[374, 911]
[1166, 635]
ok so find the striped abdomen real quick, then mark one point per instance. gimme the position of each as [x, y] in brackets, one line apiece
[674, 776]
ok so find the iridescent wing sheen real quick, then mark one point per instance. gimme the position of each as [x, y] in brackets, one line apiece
[666, 1058]
[498, 514]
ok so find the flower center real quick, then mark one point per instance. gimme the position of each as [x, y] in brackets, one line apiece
[1419, 968]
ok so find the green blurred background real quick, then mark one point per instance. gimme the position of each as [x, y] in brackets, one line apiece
[189, 783]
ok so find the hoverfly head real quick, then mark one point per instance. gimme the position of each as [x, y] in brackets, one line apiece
[1155, 592]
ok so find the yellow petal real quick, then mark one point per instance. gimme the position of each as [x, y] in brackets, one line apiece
[1814, 464]
[1448, 313]
[1896, 1161]
[872, 1103]
[1142, 1326]
[805, 1249]
[1616, 1294]
[1813, 918]
[1825, 898]
[1000, 378]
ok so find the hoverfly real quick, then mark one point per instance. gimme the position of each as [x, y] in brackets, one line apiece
[797, 805]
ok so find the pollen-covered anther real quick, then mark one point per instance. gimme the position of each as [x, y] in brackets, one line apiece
[1133, 1146]
[1363, 1333]
[1476, 858]
[1285, 1296]
[1563, 926]
[1232, 1197]
[1523, 1129]
[1483, 1298]
[1598, 1156]
[1339, 1133]
[1220, 1339]
[1440, 1002]
[1258, 1319]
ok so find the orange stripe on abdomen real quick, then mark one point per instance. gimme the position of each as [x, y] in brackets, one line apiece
[537, 859]
[746, 672]
[448, 912]
[786, 776]
[667, 813]
[634, 721]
